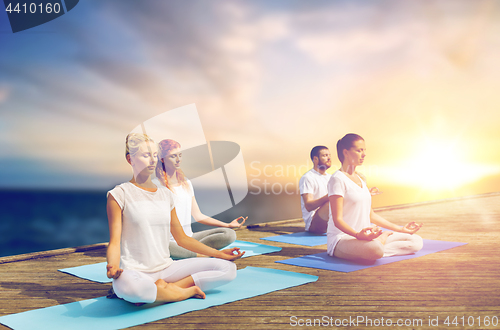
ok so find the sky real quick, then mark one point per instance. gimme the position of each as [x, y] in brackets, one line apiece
[416, 79]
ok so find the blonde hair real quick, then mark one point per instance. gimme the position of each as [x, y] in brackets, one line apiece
[133, 142]
[163, 148]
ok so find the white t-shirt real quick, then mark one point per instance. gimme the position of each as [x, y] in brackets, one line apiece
[356, 207]
[312, 182]
[183, 203]
[145, 227]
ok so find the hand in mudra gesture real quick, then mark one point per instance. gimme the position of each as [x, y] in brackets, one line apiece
[236, 224]
[369, 233]
[233, 253]
[113, 271]
[411, 227]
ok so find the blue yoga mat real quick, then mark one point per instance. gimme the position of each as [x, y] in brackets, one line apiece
[253, 249]
[324, 261]
[97, 272]
[302, 238]
[103, 313]
[92, 272]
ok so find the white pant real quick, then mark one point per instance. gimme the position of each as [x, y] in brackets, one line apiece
[216, 238]
[396, 244]
[139, 287]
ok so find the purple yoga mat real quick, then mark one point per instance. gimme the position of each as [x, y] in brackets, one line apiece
[324, 261]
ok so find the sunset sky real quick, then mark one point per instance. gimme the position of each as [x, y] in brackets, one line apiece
[417, 79]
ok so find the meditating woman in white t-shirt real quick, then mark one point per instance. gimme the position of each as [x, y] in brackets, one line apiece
[350, 233]
[170, 175]
[141, 217]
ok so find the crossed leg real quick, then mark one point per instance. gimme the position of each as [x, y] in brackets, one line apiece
[183, 279]
[354, 249]
[399, 244]
[386, 245]
[319, 222]
[216, 238]
[170, 292]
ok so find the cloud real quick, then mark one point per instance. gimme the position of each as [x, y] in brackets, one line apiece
[4, 94]
[451, 32]
[354, 45]
[263, 74]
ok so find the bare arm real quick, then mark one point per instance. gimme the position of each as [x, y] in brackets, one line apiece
[115, 232]
[336, 207]
[193, 245]
[312, 204]
[206, 220]
[409, 228]
[379, 221]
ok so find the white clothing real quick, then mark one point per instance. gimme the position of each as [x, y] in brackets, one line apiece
[183, 203]
[351, 248]
[397, 244]
[215, 238]
[315, 183]
[145, 227]
[356, 213]
[356, 207]
[207, 273]
[145, 255]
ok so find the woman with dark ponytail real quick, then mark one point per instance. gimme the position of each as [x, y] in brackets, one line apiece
[350, 233]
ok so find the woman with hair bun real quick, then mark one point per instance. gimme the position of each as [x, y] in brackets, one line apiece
[141, 218]
[170, 175]
[350, 233]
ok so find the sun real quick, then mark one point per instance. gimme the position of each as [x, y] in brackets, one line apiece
[439, 164]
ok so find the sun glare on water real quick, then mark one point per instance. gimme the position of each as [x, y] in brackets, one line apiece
[438, 165]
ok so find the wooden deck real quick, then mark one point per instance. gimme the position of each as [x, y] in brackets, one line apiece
[462, 282]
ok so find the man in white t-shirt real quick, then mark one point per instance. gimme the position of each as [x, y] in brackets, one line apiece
[313, 190]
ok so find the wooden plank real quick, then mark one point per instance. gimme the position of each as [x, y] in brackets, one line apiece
[51, 253]
[463, 281]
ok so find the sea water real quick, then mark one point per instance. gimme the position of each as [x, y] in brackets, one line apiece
[37, 220]
[44, 220]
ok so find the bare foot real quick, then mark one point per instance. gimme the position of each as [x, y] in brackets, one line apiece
[169, 292]
[382, 238]
[197, 292]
